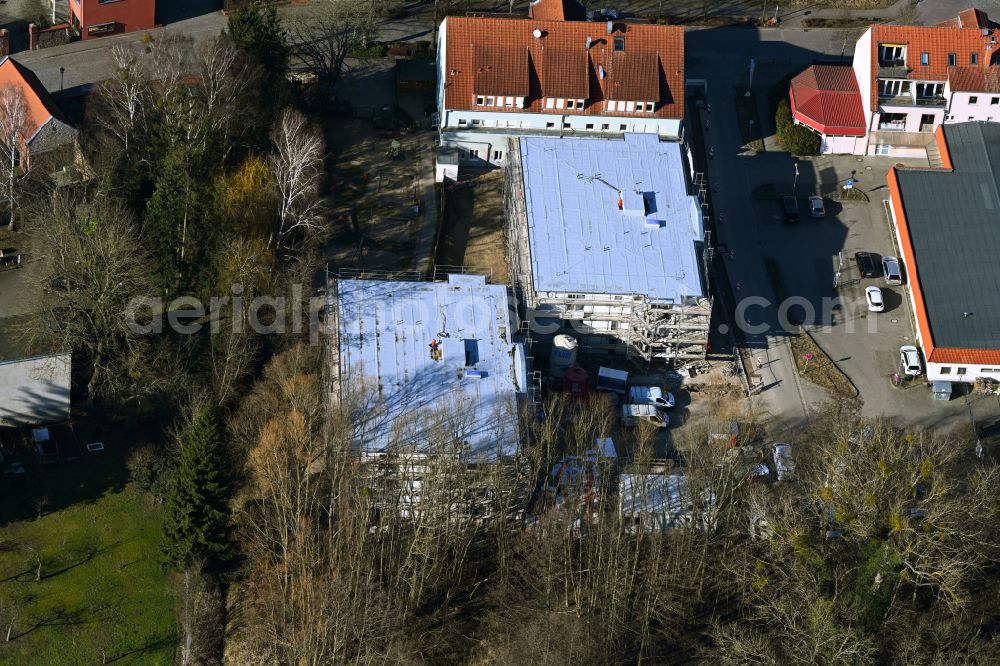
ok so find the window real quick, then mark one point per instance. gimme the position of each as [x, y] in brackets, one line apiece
[102, 28]
[952, 59]
[882, 148]
[619, 43]
[605, 127]
[490, 101]
[945, 369]
[925, 58]
[973, 58]
[571, 104]
[590, 126]
[894, 88]
[566, 126]
[463, 121]
[972, 118]
[963, 371]
[994, 101]
[621, 128]
[579, 103]
[973, 99]
[473, 153]
[497, 155]
[550, 103]
[480, 100]
[509, 101]
[559, 102]
[926, 119]
[890, 52]
[621, 105]
[476, 122]
[550, 125]
[630, 107]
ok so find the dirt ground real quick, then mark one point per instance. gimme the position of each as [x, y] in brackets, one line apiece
[472, 234]
[373, 195]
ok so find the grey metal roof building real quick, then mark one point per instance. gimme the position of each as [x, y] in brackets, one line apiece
[953, 221]
[35, 391]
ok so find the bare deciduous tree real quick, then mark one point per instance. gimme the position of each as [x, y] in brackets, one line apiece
[297, 168]
[14, 125]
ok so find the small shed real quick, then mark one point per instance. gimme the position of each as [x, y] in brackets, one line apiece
[35, 391]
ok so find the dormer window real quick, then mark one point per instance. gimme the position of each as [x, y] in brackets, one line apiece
[952, 59]
[619, 43]
[925, 58]
[480, 100]
[500, 101]
[574, 104]
[973, 58]
[889, 54]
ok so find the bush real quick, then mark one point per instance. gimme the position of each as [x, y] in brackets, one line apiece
[150, 470]
[783, 116]
[800, 141]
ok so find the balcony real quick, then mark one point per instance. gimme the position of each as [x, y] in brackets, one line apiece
[893, 126]
[893, 69]
[908, 100]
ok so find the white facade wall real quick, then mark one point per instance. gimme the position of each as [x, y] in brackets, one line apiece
[482, 136]
[962, 109]
[843, 145]
[959, 373]
[862, 66]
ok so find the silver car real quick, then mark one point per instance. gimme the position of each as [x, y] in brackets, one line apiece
[890, 270]
[873, 295]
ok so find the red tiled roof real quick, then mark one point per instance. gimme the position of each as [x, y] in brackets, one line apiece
[656, 74]
[937, 43]
[557, 10]
[970, 18]
[965, 356]
[567, 73]
[974, 79]
[827, 99]
[500, 70]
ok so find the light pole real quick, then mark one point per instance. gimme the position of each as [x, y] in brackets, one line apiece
[62, 71]
[795, 183]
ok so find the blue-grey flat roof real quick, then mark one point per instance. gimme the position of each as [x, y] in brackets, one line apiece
[582, 242]
[385, 333]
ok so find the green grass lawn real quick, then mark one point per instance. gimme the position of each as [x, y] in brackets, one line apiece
[103, 592]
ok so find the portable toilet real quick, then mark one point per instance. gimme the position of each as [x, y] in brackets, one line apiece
[563, 356]
[575, 381]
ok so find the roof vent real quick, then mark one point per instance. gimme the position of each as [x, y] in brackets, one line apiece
[536, 33]
[611, 27]
[986, 32]
[589, 41]
[600, 71]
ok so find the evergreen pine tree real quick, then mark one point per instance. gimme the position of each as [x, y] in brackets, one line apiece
[197, 506]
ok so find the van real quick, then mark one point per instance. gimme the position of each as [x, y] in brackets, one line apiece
[611, 380]
[651, 395]
[633, 415]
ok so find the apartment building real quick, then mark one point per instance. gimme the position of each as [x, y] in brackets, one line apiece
[501, 77]
[908, 81]
[604, 237]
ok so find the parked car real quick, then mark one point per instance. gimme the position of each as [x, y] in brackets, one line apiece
[816, 208]
[874, 297]
[651, 395]
[866, 264]
[909, 360]
[633, 415]
[890, 269]
[791, 209]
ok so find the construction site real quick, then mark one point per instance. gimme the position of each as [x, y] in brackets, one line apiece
[605, 237]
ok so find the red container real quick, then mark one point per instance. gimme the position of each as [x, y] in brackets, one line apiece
[576, 381]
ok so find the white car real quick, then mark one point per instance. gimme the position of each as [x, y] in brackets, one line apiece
[890, 270]
[909, 360]
[816, 208]
[633, 415]
[651, 395]
[874, 297]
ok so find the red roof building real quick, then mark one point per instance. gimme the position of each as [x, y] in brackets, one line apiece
[557, 10]
[500, 77]
[826, 98]
[44, 127]
[910, 80]
[96, 18]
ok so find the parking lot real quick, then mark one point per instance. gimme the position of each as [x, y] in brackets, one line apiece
[794, 268]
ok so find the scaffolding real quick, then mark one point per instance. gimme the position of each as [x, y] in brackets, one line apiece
[643, 330]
